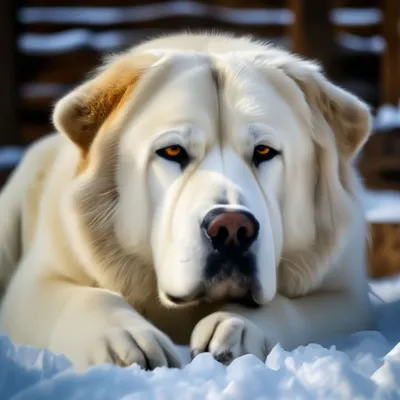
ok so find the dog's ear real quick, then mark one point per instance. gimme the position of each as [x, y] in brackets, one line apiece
[340, 124]
[349, 118]
[81, 113]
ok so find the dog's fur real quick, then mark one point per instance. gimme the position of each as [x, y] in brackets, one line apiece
[96, 229]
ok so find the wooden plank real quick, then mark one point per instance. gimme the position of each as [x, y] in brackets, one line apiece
[312, 33]
[178, 23]
[87, 3]
[379, 162]
[391, 57]
[225, 3]
[191, 23]
[52, 68]
[358, 30]
[33, 131]
[357, 3]
[127, 3]
[384, 251]
[247, 4]
[8, 73]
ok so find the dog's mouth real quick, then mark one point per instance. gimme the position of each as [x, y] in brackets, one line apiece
[227, 279]
[182, 301]
[248, 300]
[244, 292]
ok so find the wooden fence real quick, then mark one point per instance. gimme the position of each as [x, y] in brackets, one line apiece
[59, 41]
[48, 46]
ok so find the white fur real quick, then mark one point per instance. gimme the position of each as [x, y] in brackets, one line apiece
[88, 255]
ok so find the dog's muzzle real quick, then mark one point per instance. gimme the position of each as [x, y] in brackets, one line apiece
[230, 266]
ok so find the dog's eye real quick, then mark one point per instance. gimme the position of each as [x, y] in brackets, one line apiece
[263, 153]
[174, 153]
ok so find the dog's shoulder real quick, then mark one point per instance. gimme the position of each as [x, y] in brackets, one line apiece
[33, 173]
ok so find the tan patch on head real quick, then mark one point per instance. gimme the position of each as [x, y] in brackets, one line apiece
[101, 111]
[348, 117]
[107, 98]
[94, 105]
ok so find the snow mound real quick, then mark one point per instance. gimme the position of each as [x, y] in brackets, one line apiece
[387, 117]
[364, 365]
[306, 373]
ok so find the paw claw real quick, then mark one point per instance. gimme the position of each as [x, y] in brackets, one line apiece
[227, 336]
[225, 357]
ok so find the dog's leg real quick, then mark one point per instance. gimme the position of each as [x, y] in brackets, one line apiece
[89, 325]
[236, 330]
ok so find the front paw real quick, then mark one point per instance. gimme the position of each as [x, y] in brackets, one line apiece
[228, 336]
[146, 346]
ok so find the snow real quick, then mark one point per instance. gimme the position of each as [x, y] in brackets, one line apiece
[73, 39]
[387, 117]
[70, 40]
[348, 16]
[372, 44]
[364, 365]
[382, 206]
[150, 12]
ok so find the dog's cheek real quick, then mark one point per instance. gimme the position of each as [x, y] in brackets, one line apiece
[133, 214]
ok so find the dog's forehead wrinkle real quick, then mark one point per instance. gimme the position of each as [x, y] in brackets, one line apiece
[174, 135]
[230, 188]
[258, 131]
[189, 99]
[217, 77]
[231, 194]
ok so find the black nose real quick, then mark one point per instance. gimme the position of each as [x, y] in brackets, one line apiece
[229, 229]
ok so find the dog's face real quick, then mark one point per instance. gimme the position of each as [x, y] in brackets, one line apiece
[214, 175]
[211, 152]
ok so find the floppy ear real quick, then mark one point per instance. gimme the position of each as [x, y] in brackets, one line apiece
[340, 125]
[349, 118]
[82, 112]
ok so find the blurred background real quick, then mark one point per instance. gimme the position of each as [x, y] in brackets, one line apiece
[48, 47]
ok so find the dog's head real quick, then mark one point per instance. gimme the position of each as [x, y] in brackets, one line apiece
[226, 173]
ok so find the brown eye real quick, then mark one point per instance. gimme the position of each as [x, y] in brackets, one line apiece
[263, 153]
[262, 150]
[174, 153]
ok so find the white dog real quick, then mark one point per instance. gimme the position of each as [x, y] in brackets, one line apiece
[200, 192]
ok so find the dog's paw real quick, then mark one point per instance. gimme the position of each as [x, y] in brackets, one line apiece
[146, 346]
[228, 336]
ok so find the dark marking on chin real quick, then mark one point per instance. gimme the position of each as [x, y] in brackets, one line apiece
[223, 265]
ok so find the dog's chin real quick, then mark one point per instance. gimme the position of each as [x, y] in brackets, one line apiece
[225, 280]
[221, 293]
[171, 301]
[234, 291]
